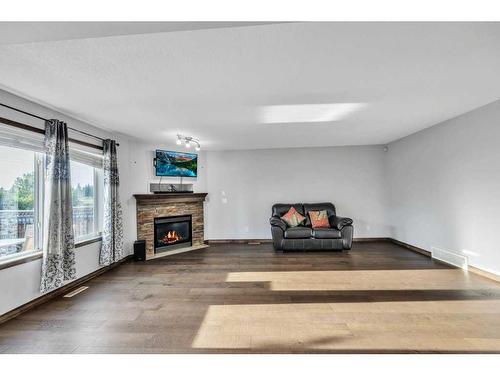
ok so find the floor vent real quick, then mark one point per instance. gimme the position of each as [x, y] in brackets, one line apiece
[454, 259]
[76, 291]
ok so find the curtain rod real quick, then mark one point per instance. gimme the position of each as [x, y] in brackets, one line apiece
[44, 119]
[33, 129]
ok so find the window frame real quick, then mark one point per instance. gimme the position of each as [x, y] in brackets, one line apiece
[38, 212]
[38, 198]
[97, 206]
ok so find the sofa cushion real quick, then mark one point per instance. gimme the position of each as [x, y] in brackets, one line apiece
[292, 217]
[326, 233]
[319, 219]
[329, 207]
[298, 232]
[279, 209]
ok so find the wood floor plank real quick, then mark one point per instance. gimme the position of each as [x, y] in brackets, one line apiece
[377, 298]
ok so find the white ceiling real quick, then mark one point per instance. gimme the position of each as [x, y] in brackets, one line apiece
[28, 32]
[217, 84]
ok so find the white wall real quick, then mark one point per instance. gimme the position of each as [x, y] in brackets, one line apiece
[21, 283]
[444, 187]
[243, 185]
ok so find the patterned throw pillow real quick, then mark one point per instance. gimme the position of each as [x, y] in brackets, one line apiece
[292, 217]
[319, 219]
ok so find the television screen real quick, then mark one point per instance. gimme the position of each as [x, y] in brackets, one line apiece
[176, 164]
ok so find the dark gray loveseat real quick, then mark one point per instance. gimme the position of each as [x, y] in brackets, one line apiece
[303, 237]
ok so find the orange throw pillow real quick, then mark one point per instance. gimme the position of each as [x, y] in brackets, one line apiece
[319, 219]
[292, 217]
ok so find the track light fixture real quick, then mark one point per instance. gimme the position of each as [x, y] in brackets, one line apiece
[188, 142]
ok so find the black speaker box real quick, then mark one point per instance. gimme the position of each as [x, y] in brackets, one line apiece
[139, 250]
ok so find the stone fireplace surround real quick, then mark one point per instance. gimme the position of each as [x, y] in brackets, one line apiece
[151, 206]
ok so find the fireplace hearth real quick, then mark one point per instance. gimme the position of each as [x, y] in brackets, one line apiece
[172, 232]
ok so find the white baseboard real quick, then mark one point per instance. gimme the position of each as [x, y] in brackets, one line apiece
[449, 257]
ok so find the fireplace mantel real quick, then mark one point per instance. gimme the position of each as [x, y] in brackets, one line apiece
[151, 206]
[171, 197]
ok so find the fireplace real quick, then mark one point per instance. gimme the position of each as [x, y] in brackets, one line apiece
[157, 206]
[172, 232]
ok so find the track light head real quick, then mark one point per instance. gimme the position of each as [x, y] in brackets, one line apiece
[188, 142]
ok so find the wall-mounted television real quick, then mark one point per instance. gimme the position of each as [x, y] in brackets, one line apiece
[176, 164]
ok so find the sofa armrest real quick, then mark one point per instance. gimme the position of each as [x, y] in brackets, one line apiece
[278, 228]
[275, 221]
[347, 233]
[339, 222]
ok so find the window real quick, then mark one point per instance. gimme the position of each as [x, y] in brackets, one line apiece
[85, 188]
[19, 201]
[22, 192]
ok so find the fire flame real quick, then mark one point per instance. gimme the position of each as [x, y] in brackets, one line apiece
[171, 237]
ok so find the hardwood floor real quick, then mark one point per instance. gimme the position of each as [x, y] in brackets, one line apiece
[378, 297]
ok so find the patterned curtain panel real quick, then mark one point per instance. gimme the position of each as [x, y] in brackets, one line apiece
[112, 234]
[58, 262]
